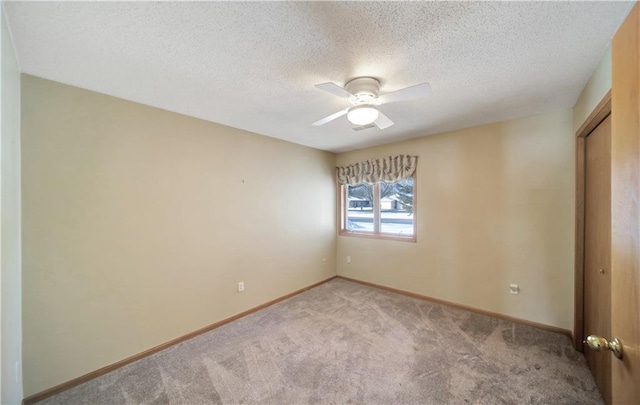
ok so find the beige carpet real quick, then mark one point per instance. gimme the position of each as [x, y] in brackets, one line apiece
[344, 343]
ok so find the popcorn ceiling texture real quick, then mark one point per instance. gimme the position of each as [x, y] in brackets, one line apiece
[254, 65]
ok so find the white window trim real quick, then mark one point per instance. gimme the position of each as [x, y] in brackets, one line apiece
[376, 234]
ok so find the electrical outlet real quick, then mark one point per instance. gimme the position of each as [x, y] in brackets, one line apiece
[514, 289]
[348, 259]
[241, 286]
[324, 261]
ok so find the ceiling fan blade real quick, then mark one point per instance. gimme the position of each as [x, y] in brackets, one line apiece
[383, 121]
[408, 93]
[330, 118]
[363, 127]
[334, 89]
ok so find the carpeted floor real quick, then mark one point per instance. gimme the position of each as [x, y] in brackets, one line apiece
[344, 343]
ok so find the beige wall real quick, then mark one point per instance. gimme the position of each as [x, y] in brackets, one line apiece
[139, 222]
[495, 206]
[11, 337]
[598, 85]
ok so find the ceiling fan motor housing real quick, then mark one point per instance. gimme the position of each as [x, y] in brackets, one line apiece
[365, 90]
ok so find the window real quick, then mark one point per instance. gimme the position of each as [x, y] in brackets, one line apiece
[383, 210]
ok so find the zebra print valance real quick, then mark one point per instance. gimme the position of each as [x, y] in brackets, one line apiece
[390, 170]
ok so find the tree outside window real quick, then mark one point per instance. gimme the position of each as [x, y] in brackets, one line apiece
[383, 209]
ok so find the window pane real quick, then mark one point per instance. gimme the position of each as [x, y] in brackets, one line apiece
[396, 208]
[359, 215]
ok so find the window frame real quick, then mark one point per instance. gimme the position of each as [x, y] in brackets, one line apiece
[343, 206]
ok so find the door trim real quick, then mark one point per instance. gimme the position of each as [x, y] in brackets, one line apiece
[599, 114]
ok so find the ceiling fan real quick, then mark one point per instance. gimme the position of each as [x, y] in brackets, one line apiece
[363, 95]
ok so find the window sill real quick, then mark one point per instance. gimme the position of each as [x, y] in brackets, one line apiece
[382, 236]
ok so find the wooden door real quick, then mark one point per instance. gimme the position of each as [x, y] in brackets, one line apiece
[597, 253]
[625, 209]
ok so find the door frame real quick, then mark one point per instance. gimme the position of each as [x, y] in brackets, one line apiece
[599, 114]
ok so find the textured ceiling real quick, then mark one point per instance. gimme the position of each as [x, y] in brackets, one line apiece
[254, 65]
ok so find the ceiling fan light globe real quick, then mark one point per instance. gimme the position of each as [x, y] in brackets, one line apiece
[362, 115]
